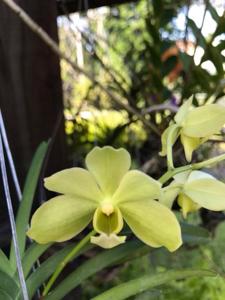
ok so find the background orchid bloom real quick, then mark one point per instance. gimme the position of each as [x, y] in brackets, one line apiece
[195, 189]
[194, 126]
[106, 193]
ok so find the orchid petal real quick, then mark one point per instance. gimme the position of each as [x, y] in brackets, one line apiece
[182, 177]
[169, 194]
[108, 165]
[183, 111]
[204, 121]
[76, 182]
[137, 186]
[60, 219]
[108, 241]
[195, 175]
[190, 144]
[108, 224]
[153, 223]
[208, 193]
[187, 205]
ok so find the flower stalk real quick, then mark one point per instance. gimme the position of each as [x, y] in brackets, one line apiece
[204, 164]
[66, 260]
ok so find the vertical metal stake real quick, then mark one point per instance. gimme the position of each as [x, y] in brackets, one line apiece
[12, 223]
[10, 159]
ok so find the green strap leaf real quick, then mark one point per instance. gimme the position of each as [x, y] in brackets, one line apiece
[31, 256]
[144, 283]
[36, 279]
[9, 288]
[23, 214]
[41, 274]
[194, 234]
[4, 295]
[92, 266]
[5, 264]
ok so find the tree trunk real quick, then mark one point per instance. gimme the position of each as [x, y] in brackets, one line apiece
[30, 84]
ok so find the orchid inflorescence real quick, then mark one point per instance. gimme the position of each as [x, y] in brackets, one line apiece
[108, 193]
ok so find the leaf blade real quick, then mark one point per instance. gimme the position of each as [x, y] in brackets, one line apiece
[5, 264]
[23, 214]
[8, 286]
[141, 284]
[104, 259]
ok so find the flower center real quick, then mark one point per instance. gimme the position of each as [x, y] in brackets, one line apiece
[107, 208]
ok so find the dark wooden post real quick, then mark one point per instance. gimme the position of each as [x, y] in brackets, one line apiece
[30, 84]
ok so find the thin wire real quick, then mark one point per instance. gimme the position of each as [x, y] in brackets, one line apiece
[10, 158]
[13, 171]
[12, 223]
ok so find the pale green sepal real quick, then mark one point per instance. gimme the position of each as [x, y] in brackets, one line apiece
[108, 241]
[187, 176]
[60, 219]
[108, 165]
[137, 186]
[190, 144]
[153, 223]
[208, 193]
[182, 177]
[169, 138]
[204, 121]
[183, 111]
[187, 205]
[74, 181]
[195, 175]
[169, 194]
[108, 224]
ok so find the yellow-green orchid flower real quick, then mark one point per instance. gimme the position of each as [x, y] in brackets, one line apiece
[106, 193]
[195, 189]
[194, 126]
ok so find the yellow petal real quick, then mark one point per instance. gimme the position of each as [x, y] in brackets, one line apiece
[187, 205]
[137, 186]
[190, 144]
[153, 223]
[183, 111]
[108, 224]
[108, 241]
[108, 165]
[60, 219]
[169, 194]
[182, 177]
[195, 175]
[76, 182]
[204, 121]
[207, 192]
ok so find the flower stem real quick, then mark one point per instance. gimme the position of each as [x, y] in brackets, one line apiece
[169, 174]
[66, 260]
[204, 164]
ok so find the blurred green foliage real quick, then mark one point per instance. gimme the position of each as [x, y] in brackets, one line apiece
[141, 55]
[149, 62]
[203, 256]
